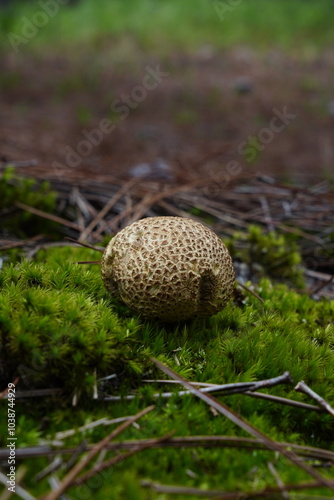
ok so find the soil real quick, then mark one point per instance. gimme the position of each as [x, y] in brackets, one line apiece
[209, 114]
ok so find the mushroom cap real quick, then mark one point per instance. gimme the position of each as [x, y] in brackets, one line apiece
[170, 268]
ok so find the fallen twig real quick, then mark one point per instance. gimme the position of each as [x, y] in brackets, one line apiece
[284, 401]
[7, 244]
[19, 491]
[77, 452]
[119, 458]
[69, 478]
[91, 425]
[318, 275]
[36, 393]
[318, 288]
[80, 243]
[53, 466]
[143, 205]
[234, 388]
[279, 481]
[302, 387]
[45, 215]
[87, 262]
[223, 495]
[107, 207]
[260, 395]
[250, 291]
[266, 211]
[212, 441]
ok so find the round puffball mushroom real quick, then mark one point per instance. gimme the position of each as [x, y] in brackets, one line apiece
[169, 268]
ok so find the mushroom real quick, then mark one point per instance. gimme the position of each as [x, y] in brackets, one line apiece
[169, 268]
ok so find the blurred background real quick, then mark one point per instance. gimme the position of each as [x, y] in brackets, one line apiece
[218, 110]
[169, 89]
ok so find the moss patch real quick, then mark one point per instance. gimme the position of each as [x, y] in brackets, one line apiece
[57, 320]
[268, 254]
[60, 327]
[15, 188]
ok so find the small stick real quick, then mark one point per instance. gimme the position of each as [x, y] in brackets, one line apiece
[283, 401]
[102, 421]
[234, 388]
[137, 214]
[53, 466]
[176, 442]
[19, 491]
[86, 245]
[163, 381]
[45, 215]
[321, 286]
[285, 378]
[224, 495]
[148, 202]
[317, 274]
[118, 458]
[88, 262]
[302, 387]
[279, 481]
[19, 477]
[19, 243]
[185, 490]
[242, 385]
[260, 395]
[170, 209]
[13, 244]
[266, 211]
[86, 232]
[292, 230]
[69, 478]
[269, 397]
[34, 393]
[76, 453]
[250, 291]
[222, 215]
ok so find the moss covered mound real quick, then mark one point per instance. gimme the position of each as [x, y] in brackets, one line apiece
[57, 328]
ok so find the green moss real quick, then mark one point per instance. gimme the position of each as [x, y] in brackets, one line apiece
[56, 319]
[268, 254]
[15, 188]
[60, 328]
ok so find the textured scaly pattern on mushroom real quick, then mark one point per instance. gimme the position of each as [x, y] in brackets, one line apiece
[171, 268]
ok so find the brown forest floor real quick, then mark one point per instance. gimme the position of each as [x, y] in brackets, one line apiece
[194, 120]
[206, 136]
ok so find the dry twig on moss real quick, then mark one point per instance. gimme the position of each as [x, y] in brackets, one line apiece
[302, 387]
[214, 441]
[72, 474]
[224, 495]
[53, 218]
[246, 426]
[119, 458]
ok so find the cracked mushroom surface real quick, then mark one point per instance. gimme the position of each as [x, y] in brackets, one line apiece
[169, 268]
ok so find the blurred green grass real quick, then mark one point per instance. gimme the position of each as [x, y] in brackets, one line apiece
[164, 25]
